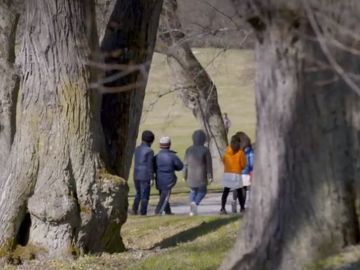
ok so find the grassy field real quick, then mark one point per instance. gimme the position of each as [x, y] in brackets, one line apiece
[162, 243]
[233, 73]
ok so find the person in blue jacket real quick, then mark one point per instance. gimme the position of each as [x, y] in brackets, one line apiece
[165, 165]
[143, 172]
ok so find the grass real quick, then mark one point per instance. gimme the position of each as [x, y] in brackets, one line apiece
[233, 73]
[166, 242]
[186, 243]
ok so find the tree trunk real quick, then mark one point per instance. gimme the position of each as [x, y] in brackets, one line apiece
[305, 196]
[193, 83]
[9, 80]
[56, 192]
[129, 40]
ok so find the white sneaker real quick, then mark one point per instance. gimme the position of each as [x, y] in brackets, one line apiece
[193, 209]
[233, 207]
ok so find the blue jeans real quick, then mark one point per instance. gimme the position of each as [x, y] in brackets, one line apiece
[141, 197]
[197, 194]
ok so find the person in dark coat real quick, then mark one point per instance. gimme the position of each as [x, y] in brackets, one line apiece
[166, 163]
[198, 169]
[143, 172]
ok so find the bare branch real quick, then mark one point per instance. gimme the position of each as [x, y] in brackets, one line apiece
[322, 41]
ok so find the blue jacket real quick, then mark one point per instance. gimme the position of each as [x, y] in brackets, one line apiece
[249, 153]
[166, 163]
[143, 163]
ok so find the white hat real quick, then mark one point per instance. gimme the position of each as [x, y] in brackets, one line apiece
[165, 142]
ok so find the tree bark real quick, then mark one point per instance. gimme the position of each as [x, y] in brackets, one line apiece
[9, 80]
[129, 40]
[192, 82]
[56, 191]
[305, 193]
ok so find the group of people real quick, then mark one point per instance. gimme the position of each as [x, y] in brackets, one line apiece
[160, 170]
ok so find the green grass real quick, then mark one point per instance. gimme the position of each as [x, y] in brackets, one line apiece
[166, 242]
[233, 72]
[189, 243]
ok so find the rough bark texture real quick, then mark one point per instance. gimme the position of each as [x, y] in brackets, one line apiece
[129, 40]
[9, 80]
[192, 83]
[305, 193]
[56, 193]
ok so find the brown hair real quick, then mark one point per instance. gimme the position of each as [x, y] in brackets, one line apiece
[244, 139]
[235, 144]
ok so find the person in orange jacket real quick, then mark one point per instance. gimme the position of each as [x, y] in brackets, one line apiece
[234, 163]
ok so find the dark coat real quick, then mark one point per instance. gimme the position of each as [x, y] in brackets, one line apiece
[198, 164]
[166, 163]
[143, 163]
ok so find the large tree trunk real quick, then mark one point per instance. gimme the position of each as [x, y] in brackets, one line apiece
[306, 187]
[193, 83]
[56, 193]
[129, 40]
[9, 80]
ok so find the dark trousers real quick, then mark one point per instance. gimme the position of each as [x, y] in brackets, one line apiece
[244, 191]
[240, 196]
[163, 204]
[141, 197]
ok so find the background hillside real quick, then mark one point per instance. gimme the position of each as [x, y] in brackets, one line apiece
[233, 73]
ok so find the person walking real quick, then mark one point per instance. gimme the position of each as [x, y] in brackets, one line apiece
[234, 163]
[246, 146]
[143, 172]
[197, 169]
[165, 165]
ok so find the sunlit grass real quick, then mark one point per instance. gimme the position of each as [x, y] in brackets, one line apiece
[232, 71]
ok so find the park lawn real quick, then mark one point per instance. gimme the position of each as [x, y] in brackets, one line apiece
[233, 72]
[160, 242]
[203, 246]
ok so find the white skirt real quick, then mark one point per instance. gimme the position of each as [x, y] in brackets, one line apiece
[232, 180]
[246, 179]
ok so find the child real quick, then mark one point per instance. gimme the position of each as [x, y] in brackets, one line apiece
[143, 172]
[165, 165]
[197, 170]
[234, 163]
[247, 172]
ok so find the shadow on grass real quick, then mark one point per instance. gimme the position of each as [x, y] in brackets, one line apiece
[195, 232]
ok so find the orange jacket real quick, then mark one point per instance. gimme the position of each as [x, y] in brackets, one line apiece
[234, 162]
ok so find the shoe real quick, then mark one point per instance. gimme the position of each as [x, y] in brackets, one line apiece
[133, 213]
[223, 212]
[193, 209]
[169, 214]
[233, 207]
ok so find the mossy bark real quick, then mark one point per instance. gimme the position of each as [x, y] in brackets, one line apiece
[53, 169]
[9, 79]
